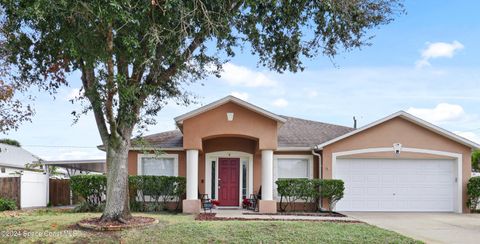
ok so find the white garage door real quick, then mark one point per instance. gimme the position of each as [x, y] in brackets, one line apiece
[396, 184]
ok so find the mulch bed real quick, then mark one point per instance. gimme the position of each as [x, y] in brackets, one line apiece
[134, 222]
[320, 214]
[212, 217]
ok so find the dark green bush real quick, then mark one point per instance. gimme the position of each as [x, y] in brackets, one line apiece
[92, 188]
[291, 190]
[153, 193]
[7, 204]
[473, 193]
[147, 193]
[308, 190]
[332, 190]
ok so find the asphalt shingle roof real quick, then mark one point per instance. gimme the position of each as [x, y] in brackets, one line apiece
[294, 132]
[307, 133]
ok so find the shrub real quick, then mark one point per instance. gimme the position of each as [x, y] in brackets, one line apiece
[332, 190]
[310, 191]
[473, 192]
[147, 193]
[7, 204]
[92, 188]
[153, 193]
[291, 190]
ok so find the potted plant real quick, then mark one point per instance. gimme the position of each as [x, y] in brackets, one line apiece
[215, 203]
[246, 203]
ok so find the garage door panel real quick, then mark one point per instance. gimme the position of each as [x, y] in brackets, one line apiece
[396, 185]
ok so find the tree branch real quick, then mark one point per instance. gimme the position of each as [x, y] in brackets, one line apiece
[91, 92]
[110, 87]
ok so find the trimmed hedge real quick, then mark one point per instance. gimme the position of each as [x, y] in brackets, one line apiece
[309, 191]
[92, 188]
[7, 204]
[147, 193]
[153, 193]
[332, 190]
[473, 193]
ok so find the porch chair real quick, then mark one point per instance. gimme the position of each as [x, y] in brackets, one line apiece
[205, 202]
[254, 198]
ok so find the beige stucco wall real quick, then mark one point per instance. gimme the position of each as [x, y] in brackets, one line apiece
[214, 123]
[410, 135]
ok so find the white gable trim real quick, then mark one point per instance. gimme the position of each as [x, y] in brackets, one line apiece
[181, 118]
[411, 118]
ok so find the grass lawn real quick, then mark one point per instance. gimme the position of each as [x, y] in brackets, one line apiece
[184, 229]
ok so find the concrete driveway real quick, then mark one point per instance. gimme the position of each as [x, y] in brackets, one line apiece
[428, 227]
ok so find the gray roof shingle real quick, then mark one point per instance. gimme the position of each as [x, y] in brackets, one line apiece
[167, 139]
[294, 132]
[307, 133]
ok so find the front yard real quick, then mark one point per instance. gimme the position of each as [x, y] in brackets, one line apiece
[49, 226]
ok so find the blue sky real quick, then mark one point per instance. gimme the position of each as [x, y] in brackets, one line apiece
[425, 62]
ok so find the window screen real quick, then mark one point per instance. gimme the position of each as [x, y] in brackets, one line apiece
[158, 166]
[292, 168]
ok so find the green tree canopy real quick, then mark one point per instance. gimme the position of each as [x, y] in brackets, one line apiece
[10, 142]
[135, 56]
[476, 160]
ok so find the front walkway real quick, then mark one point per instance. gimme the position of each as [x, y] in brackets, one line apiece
[428, 227]
[239, 214]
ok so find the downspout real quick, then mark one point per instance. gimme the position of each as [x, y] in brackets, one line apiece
[320, 171]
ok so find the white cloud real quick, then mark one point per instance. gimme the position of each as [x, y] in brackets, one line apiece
[73, 94]
[438, 50]
[469, 135]
[241, 95]
[443, 112]
[312, 93]
[281, 103]
[243, 76]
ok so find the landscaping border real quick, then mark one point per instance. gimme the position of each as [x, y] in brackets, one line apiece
[136, 222]
[213, 217]
[319, 214]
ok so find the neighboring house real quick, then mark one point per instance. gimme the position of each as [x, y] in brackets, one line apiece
[230, 148]
[14, 162]
[13, 158]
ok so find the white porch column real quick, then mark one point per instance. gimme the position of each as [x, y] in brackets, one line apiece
[267, 204]
[267, 174]
[192, 174]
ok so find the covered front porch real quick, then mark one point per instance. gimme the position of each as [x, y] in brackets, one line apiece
[229, 169]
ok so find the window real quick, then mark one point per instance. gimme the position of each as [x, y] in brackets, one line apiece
[213, 180]
[292, 168]
[166, 165]
[3, 170]
[244, 178]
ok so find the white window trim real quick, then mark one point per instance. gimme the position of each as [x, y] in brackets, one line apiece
[141, 156]
[459, 165]
[214, 156]
[275, 169]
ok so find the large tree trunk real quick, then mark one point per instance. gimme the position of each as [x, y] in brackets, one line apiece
[117, 207]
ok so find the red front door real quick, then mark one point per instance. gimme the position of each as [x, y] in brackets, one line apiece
[228, 181]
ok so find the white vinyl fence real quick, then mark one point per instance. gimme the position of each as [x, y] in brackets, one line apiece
[33, 189]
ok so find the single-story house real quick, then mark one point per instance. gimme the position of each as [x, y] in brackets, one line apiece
[28, 183]
[230, 149]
